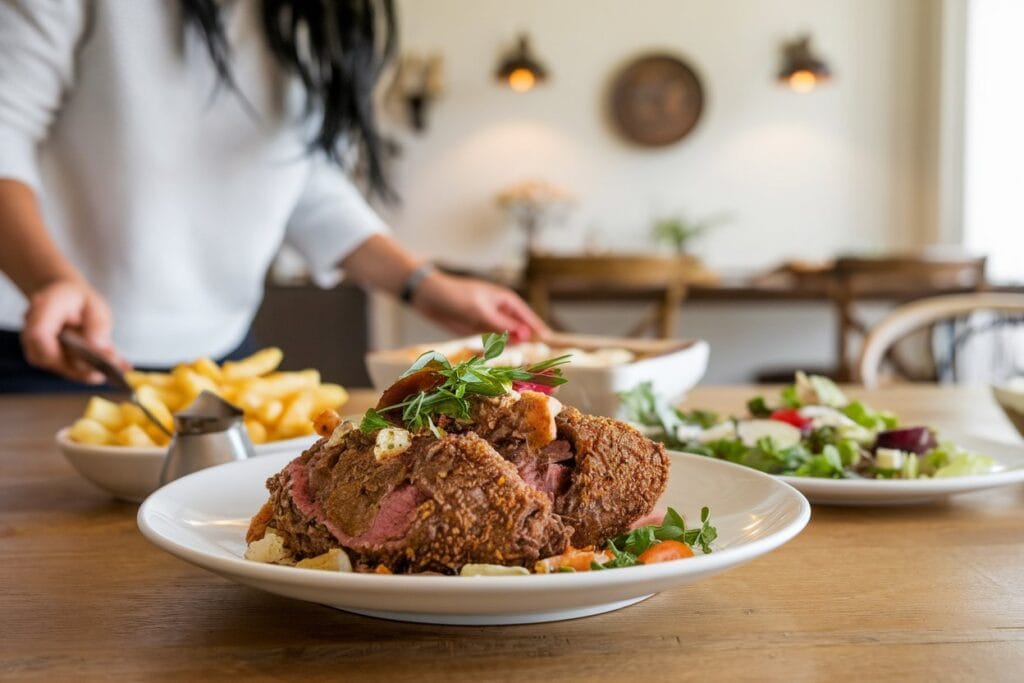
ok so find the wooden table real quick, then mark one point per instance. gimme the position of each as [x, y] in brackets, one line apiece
[917, 593]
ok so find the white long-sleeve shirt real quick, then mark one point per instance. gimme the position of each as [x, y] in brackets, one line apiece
[156, 182]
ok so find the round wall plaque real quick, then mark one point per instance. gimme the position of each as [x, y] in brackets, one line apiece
[656, 100]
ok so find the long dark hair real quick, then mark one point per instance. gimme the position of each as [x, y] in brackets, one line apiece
[337, 48]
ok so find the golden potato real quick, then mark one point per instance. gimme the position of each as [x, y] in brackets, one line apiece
[207, 368]
[257, 432]
[259, 363]
[295, 420]
[171, 397]
[107, 413]
[284, 384]
[156, 434]
[190, 384]
[133, 414]
[328, 397]
[277, 405]
[151, 401]
[154, 379]
[87, 430]
[334, 560]
[133, 435]
[268, 412]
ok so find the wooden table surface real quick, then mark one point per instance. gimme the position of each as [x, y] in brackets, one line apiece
[934, 592]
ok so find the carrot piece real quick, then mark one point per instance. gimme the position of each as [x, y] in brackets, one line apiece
[574, 558]
[665, 551]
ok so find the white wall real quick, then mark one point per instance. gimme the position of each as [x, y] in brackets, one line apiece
[994, 139]
[801, 175]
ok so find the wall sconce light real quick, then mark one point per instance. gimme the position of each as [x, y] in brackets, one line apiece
[418, 82]
[520, 70]
[802, 71]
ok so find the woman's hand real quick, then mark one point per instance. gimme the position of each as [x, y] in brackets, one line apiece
[67, 303]
[465, 305]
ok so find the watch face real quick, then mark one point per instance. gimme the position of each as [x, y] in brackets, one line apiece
[656, 100]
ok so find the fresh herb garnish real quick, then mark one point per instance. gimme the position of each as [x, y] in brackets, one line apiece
[373, 420]
[702, 418]
[758, 407]
[461, 381]
[643, 406]
[626, 548]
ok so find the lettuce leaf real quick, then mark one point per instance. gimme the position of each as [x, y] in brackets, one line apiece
[875, 420]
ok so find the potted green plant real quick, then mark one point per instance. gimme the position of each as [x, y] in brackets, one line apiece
[679, 231]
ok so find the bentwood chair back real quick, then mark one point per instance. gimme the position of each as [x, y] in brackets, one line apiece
[926, 313]
[647, 279]
[905, 277]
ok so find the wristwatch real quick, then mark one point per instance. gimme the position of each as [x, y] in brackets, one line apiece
[412, 283]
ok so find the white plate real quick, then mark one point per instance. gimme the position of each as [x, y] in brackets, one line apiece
[1010, 458]
[133, 473]
[202, 518]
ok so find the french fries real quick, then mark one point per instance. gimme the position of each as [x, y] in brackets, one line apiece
[277, 405]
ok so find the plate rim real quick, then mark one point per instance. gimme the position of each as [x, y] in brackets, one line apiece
[583, 581]
[1011, 473]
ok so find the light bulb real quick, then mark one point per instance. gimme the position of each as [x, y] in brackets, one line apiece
[802, 81]
[521, 79]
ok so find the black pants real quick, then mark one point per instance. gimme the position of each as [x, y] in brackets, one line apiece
[17, 376]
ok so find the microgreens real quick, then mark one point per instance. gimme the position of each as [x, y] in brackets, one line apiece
[626, 548]
[472, 377]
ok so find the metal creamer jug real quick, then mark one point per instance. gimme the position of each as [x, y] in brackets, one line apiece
[209, 432]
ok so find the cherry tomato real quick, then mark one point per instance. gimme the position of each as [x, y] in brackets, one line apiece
[791, 416]
[665, 551]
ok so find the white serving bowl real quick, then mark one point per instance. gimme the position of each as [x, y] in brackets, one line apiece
[1011, 399]
[672, 366]
[131, 473]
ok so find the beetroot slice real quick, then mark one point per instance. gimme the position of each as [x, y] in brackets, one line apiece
[910, 439]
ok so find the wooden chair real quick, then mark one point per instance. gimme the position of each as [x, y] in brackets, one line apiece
[649, 279]
[908, 277]
[923, 314]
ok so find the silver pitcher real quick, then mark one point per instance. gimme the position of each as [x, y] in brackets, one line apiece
[209, 432]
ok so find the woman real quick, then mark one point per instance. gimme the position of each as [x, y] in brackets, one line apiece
[153, 157]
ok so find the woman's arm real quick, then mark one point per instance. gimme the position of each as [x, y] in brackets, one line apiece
[463, 305]
[58, 295]
[38, 43]
[332, 222]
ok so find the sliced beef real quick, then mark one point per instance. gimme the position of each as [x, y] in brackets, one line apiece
[441, 504]
[550, 478]
[559, 450]
[618, 476]
[517, 483]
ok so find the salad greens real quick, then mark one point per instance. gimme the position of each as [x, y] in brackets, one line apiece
[813, 430]
[627, 548]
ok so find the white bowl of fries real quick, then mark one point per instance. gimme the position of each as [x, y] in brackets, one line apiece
[115, 446]
[133, 472]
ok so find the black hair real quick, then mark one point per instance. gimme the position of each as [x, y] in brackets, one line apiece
[337, 49]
